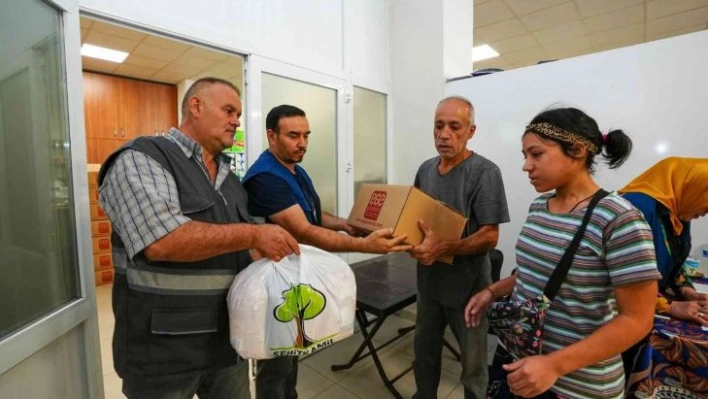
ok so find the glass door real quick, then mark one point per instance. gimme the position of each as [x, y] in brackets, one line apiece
[321, 96]
[369, 139]
[320, 105]
[48, 328]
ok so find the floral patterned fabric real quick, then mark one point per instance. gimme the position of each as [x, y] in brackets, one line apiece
[519, 325]
[673, 363]
[671, 293]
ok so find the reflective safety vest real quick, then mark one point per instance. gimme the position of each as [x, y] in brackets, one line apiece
[171, 317]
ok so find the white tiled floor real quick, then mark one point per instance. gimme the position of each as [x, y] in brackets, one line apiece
[315, 378]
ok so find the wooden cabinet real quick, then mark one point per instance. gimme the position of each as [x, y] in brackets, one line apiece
[101, 96]
[155, 116]
[118, 109]
[129, 103]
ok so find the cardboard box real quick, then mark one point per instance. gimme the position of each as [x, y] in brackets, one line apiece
[93, 169]
[101, 244]
[103, 276]
[102, 261]
[93, 179]
[97, 212]
[100, 228]
[378, 206]
[93, 195]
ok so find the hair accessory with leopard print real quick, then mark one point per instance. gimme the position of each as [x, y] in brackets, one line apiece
[553, 131]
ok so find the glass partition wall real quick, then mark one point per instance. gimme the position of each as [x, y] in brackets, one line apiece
[369, 137]
[48, 329]
[320, 106]
[38, 259]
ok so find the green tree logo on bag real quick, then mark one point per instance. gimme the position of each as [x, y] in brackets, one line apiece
[300, 303]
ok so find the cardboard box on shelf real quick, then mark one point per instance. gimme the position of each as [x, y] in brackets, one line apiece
[93, 169]
[103, 276]
[102, 261]
[101, 244]
[93, 195]
[100, 228]
[399, 207]
[97, 212]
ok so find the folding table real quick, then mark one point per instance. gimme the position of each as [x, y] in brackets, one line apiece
[385, 285]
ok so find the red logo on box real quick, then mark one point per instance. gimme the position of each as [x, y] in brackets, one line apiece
[104, 260]
[104, 243]
[373, 208]
[106, 276]
[104, 228]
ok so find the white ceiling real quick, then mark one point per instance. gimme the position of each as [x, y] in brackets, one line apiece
[524, 32]
[527, 31]
[156, 58]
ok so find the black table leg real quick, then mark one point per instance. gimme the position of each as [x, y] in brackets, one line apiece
[379, 367]
[388, 382]
[361, 320]
[368, 336]
[406, 329]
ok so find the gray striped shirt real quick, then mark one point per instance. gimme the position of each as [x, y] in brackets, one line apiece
[617, 249]
[140, 197]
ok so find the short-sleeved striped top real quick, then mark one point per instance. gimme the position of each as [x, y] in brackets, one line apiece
[617, 249]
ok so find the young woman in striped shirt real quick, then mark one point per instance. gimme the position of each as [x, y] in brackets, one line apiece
[606, 302]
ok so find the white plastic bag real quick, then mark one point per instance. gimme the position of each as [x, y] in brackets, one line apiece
[293, 307]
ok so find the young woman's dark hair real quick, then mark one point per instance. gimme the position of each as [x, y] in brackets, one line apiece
[568, 126]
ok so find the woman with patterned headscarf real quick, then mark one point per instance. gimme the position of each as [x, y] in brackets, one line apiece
[670, 194]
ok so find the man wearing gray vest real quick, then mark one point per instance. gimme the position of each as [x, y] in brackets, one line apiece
[473, 185]
[181, 232]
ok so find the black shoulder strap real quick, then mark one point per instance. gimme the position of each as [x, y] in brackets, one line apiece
[567, 260]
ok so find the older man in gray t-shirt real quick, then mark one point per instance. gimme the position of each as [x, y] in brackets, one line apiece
[472, 185]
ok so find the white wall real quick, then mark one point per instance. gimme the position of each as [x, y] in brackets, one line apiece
[430, 41]
[305, 33]
[417, 83]
[655, 92]
[367, 46]
[458, 37]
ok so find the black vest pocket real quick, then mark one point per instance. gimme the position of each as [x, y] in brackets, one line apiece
[186, 340]
[194, 203]
[184, 321]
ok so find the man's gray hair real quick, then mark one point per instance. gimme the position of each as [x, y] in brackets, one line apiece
[200, 85]
[464, 100]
